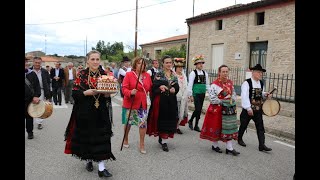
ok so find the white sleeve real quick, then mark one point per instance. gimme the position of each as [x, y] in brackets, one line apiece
[245, 102]
[207, 82]
[234, 95]
[122, 72]
[213, 92]
[190, 83]
[149, 72]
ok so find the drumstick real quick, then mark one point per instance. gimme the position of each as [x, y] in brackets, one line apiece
[272, 90]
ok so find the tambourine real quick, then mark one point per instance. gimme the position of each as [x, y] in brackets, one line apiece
[271, 107]
[41, 110]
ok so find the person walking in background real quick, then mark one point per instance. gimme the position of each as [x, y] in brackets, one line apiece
[138, 95]
[220, 122]
[163, 112]
[114, 69]
[154, 70]
[48, 68]
[57, 77]
[32, 92]
[69, 77]
[122, 72]
[44, 81]
[182, 95]
[197, 86]
[89, 131]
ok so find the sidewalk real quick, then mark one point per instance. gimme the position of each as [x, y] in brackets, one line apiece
[280, 126]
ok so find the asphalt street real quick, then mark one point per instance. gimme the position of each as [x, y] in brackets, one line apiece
[189, 157]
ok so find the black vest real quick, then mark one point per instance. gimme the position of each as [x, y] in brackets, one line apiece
[120, 76]
[199, 79]
[255, 95]
[153, 73]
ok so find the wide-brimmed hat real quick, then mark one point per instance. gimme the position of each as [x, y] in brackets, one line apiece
[125, 59]
[258, 67]
[179, 62]
[198, 59]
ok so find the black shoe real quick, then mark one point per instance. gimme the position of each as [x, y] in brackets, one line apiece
[104, 173]
[67, 102]
[165, 147]
[196, 128]
[233, 152]
[40, 126]
[264, 148]
[217, 149]
[160, 140]
[30, 135]
[179, 132]
[59, 104]
[241, 143]
[89, 166]
[190, 124]
[56, 104]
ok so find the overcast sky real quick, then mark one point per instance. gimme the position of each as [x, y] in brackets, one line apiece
[61, 26]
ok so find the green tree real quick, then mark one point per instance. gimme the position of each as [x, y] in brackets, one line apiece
[174, 52]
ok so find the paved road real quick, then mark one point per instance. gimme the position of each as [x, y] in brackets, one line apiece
[189, 157]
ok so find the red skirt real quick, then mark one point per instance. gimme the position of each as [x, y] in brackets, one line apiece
[212, 125]
[152, 122]
[67, 149]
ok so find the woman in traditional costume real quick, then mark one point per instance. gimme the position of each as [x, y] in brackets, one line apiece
[182, 95]
[220, 122]
[163, 113]
[88, 134]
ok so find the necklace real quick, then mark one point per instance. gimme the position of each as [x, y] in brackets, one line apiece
[92, 85]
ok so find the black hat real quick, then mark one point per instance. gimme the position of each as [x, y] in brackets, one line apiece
[125, 58]
[258, 67]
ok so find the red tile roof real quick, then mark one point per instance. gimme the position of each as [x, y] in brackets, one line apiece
[51, 59]
[174, 38]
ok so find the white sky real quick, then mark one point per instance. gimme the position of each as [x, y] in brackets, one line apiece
[154, 22]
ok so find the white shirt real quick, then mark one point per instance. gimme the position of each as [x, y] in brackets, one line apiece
[192, 75]
[245, 101]
[70, 74]
[57, 72]
[155, 70]
[38, 73]
[122, 72]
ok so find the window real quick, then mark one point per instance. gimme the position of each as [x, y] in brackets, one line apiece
[260, 18]
[148, 54]
[219, 25]
[158, 54]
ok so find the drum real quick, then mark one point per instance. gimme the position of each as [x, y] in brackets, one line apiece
[41, 110]
[271, 107]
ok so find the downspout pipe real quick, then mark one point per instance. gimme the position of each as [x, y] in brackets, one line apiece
[188, 51]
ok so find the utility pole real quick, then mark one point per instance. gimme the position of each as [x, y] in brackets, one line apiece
[136, 31]
[45, 43]
[193, 9]
[86, 45]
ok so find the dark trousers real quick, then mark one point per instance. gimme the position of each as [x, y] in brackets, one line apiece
[29, 119]
[258, 121]
[198, 103]
[121, 91]
[56, 94]
[68, 92]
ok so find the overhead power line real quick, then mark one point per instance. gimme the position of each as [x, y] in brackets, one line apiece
[60, 22]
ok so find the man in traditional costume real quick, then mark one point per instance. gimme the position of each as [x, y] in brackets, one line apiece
[197, 87]
[252, 94]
